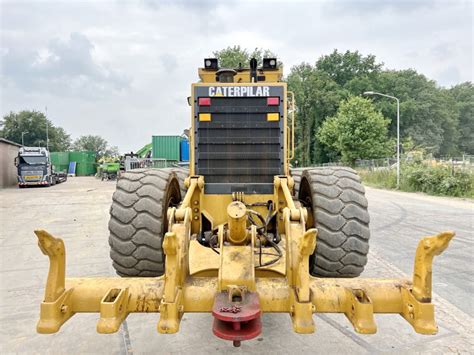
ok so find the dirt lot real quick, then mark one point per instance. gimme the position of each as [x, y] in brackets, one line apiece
[77, 211]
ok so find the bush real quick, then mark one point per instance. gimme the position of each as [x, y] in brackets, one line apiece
[435, 180]
[439, 180]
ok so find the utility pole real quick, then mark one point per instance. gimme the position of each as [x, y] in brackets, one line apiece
[47, 137]
[23, 138]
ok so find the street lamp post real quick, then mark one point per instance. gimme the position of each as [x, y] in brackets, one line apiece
[398, 129]
[22, 138]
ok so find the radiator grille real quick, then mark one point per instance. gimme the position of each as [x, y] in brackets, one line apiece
[239, 146]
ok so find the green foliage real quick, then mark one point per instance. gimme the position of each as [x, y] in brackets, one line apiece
[434, 180]
[438, 180]
[427, 113]
[344, 67]
[233, 57]
[96, 144]
[319, 90]
[357, 131]
[317, 97]
[33, 124]
[437, 120]
[463, 95]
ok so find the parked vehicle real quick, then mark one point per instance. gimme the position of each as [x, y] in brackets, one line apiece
[35, 168]
[109, 171]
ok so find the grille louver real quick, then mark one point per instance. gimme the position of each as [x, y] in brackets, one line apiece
[239, 150]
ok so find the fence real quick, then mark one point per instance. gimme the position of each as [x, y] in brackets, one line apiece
[466, 162]
[376, 164]
[148, 163]
[372, 164]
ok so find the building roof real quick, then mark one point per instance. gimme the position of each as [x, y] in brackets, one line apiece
[9, 142]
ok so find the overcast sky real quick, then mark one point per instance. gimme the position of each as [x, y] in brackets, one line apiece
[123, 69]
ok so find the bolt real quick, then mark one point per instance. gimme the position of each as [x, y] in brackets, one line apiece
[196, 202]
[236, 343]
[196, 218]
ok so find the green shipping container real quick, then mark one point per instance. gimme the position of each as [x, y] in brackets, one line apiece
[166, 147]
[60, 158]
[60, 161]
[82, 157]
[86, 169]
[85, 162]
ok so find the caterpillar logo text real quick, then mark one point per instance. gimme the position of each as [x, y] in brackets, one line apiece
[246, 91]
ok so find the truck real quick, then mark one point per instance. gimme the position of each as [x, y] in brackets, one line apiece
[35, 168]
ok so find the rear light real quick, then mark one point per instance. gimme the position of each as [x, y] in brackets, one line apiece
[205, 117]
[274, 116]
[204, 101]
[273, 101]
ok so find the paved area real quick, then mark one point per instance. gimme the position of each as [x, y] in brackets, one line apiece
[77, 211]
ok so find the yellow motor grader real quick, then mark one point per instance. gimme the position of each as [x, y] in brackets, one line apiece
[239, 235]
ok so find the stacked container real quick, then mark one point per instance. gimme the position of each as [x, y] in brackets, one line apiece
[166, 147]
[184, 150]
[85, 162]
[60, 161]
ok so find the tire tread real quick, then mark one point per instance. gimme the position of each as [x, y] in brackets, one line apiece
[136, 220]
[342, 219]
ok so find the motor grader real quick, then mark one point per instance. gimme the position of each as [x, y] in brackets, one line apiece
[239, 235]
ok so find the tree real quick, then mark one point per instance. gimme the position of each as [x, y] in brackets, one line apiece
[427, 112]
[317, 97]
[463, 95]
[436, 119]
[33, 124]
[357, 131]
[92, 143]
[318, 91]
[96, 144]
[112, 152]
[344, 67]
[233, 57]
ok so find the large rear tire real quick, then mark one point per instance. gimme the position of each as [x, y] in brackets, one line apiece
[138, 220]
[337, 201]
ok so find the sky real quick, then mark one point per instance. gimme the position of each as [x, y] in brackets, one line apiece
[123, 69]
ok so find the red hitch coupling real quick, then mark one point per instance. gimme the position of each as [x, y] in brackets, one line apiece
[236, 315]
